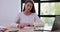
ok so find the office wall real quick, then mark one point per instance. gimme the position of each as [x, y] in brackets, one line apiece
[8, 11]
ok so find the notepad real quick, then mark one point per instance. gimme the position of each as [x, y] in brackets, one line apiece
[27, 27]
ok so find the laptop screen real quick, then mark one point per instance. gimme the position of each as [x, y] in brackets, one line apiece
[56, 25]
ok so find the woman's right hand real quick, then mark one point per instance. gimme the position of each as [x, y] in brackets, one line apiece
[24, 25]
[21, 26]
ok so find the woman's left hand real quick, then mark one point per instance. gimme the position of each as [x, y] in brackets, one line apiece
[27, 24]
[4, 29]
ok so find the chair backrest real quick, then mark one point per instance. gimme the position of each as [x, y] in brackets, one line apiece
[56, 25]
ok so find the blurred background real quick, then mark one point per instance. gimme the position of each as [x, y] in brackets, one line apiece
[8, 11]
[47, 11]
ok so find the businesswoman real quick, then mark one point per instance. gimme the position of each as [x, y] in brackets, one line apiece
[27, 16]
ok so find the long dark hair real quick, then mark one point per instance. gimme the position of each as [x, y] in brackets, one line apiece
[33, 8]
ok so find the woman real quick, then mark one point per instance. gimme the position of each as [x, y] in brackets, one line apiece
[28, 16]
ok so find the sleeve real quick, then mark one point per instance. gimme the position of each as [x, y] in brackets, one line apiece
[14, 25]
[16, 19]
[36, 18]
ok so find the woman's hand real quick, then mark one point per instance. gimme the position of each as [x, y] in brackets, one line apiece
[24, 25]
[28, 24]
[21, 26]
[4, 29]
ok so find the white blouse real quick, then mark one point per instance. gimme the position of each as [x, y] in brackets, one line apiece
[27, 19]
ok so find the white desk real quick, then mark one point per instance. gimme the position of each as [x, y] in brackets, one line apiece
[20, 30]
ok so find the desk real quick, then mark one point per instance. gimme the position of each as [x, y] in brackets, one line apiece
[25, 30]
[20, 30]
[56, 31]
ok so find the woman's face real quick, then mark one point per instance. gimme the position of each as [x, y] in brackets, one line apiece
[28, 6]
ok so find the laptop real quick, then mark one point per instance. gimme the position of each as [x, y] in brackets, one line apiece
[56, 25]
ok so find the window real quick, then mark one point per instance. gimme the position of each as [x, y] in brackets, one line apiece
[46, 0]
[50, 8]
[48, 11]
[19, 5]
[48, 22]
[49, 0]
